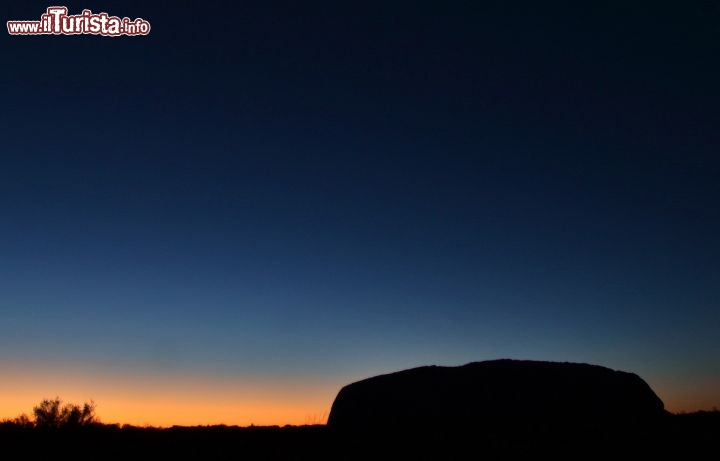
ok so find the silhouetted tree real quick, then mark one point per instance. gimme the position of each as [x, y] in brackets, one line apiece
[52, 414]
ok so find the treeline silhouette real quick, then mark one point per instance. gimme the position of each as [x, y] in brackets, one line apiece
[55, 428]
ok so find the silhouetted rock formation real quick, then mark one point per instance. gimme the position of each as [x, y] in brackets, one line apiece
[499, 398]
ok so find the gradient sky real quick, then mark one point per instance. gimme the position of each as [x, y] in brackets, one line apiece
[227, 220]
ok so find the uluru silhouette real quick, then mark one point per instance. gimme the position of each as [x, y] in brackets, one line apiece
[498, 399]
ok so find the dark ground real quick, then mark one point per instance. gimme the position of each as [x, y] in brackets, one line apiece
[686, 436]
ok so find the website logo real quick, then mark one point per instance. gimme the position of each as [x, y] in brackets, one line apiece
[57, 22]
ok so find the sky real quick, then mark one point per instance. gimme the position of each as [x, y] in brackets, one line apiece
[231, 217]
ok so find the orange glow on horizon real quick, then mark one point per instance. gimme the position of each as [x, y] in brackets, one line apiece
[163, 401]
[688, 397]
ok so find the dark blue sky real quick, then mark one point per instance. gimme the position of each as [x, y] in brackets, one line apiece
[339, 190]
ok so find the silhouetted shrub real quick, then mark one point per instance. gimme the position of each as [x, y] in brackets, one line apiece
[52, 414]
[22, 422]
